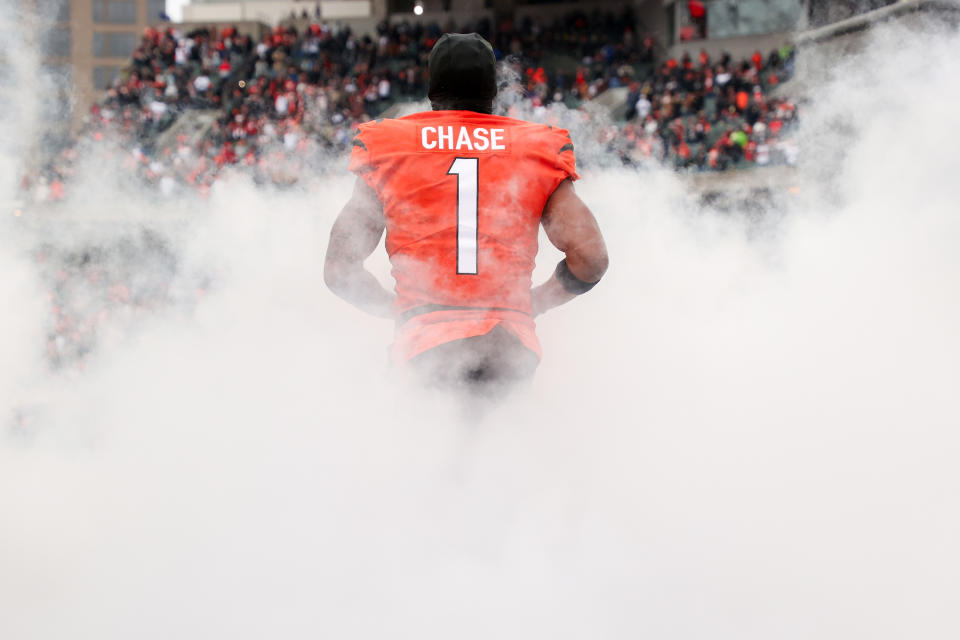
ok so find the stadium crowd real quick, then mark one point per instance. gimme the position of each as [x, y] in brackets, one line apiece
[98, 292]
[284, 107]
[712, 115]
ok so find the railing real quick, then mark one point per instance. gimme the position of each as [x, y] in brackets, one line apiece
[863, 21]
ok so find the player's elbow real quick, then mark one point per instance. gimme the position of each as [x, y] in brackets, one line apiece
[596, 268]
[335, 276]
[590, 262]
[601, 264]
[600, 260]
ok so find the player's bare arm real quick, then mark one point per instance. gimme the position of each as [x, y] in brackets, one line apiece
[571, 227]
[355, 235]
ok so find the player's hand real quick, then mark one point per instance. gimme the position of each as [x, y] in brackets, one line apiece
[548, 295]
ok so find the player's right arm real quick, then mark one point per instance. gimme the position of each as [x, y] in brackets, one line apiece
[571, 227]
[355, 235]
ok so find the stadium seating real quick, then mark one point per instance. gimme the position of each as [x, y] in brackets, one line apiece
[190, 104]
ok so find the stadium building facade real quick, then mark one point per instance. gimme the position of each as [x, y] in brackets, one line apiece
[736, 26]
[83, 45]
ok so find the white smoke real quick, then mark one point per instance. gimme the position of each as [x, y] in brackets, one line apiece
[738, 434]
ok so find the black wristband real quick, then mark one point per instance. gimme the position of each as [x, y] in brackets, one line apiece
[569, 282]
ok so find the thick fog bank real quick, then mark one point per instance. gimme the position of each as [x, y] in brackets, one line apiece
[742, 432]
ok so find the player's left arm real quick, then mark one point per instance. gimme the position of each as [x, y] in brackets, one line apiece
[355, 235]
[571, 227]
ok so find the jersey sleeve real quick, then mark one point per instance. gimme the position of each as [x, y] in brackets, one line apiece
[553, 151]
[566, 160]
[361, 159]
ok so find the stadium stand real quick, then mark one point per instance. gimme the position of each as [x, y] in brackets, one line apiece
[195, 103]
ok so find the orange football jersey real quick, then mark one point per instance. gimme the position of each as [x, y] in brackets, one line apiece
[462, 196]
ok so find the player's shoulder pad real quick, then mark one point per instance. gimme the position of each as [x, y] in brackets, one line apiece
[378, 129]
[554, 138]
[366, 127]
[358, 140]
[566, 142]
[558, 149]
[363, 147]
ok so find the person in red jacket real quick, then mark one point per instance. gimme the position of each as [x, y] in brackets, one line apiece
[698, 16]
[461, 194]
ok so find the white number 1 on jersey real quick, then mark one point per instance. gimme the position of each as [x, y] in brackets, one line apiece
[467, 187]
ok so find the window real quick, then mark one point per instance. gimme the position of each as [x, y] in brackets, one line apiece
[154, 9]
[752, 17]
[122, 44]
[122, 12]
[113, 45]
[62, 8]
[114, 12]
[104, 76]
[58, 42]
[60, 74]
[58, 108]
